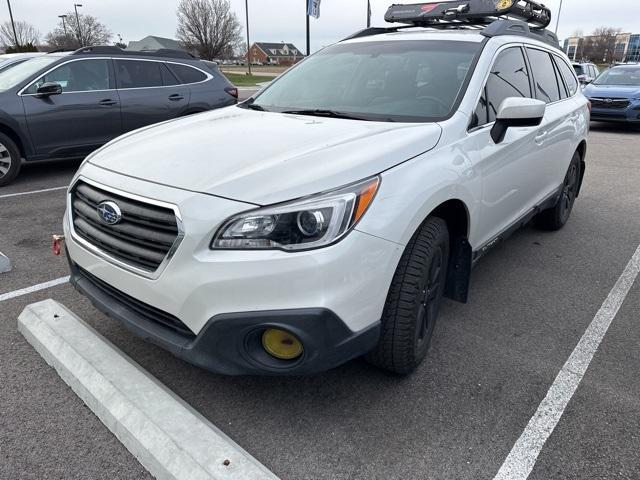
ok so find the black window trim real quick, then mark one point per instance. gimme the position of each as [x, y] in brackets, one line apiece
[558, 58]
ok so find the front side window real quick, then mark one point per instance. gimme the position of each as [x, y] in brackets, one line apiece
[77, 76]
[546, 83]
[403, 81]
[509, 77]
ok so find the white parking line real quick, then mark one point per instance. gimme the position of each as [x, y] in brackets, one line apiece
[523, 455]
[19, 194]
[33, 288]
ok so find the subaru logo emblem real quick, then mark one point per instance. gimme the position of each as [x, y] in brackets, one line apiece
[109, 213]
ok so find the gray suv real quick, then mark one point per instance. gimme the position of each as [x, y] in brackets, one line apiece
[65, 106]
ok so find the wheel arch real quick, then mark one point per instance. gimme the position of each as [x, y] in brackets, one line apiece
[456, 215]
[13, 135]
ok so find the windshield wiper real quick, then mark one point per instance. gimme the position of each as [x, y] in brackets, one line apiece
[255, 106]
[318, 112]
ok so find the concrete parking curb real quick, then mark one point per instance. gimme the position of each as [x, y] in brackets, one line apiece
[5, 263]
[167, 436]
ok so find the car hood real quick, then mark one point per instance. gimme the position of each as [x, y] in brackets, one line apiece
[263, 157]
[619, 91]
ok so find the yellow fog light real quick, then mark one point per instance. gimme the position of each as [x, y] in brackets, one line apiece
[281, 344]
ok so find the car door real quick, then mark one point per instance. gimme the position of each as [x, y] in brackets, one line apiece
[149, 92]
[509, 170]
[555, 133]
[83, 117]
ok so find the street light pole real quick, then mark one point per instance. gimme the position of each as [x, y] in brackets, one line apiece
[368, 13]
[558, 19]
[75, 7]
[246, 4]
[13, 25]
[64, 24]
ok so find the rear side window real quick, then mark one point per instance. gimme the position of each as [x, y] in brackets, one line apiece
[578, 69]
[143, 74]
[509, 77]
[545, 81]
[187, 74]
[567, 74]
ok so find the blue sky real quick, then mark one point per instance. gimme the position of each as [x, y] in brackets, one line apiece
[284, 20]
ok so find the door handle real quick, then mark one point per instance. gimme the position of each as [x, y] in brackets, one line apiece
[107, 102]
[540, 137]
[176, 97]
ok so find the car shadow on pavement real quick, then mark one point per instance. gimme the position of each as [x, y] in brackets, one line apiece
[610, 127]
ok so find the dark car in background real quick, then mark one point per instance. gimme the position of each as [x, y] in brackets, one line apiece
[60, 106]
[615, 95]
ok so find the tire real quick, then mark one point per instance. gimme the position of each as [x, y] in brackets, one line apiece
[557, 216]
[10, 160]
[414, 300]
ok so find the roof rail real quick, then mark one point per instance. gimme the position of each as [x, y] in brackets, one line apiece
[475, 12]
[113, 50]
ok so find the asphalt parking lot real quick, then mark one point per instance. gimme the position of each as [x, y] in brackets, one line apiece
[491, 362]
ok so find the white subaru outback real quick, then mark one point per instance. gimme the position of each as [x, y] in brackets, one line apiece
[327, 217]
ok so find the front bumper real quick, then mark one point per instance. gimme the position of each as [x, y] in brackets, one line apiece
[630, 114]
[229, 343]
[331, 298]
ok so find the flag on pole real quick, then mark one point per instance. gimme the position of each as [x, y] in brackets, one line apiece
[313, 8]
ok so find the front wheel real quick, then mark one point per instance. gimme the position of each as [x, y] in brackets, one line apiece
[10, 160]
[414, 300]
[557, 216]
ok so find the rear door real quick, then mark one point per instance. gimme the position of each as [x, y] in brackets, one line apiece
[149, 92]
[85, 116]
[555, 135]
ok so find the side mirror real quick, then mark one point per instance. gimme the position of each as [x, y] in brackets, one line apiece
[49, 88]
[517, 112]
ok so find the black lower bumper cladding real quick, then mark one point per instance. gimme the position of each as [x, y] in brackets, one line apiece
[230, 343]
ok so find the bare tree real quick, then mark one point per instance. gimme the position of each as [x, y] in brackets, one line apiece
[26, 33]
[601, 45]
[89, 31]
[208, 27]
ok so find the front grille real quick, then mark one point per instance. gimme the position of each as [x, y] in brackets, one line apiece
[143, 238]
[138, 308]
[612, 103]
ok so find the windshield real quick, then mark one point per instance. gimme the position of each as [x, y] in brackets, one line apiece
[620, 76]
[403, 81]
[13, 76]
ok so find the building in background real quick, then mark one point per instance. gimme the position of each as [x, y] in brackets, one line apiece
[274, 53]
[154, 43]
[623, 47]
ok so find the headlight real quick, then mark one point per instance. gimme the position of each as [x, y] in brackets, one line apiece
[303, 224]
